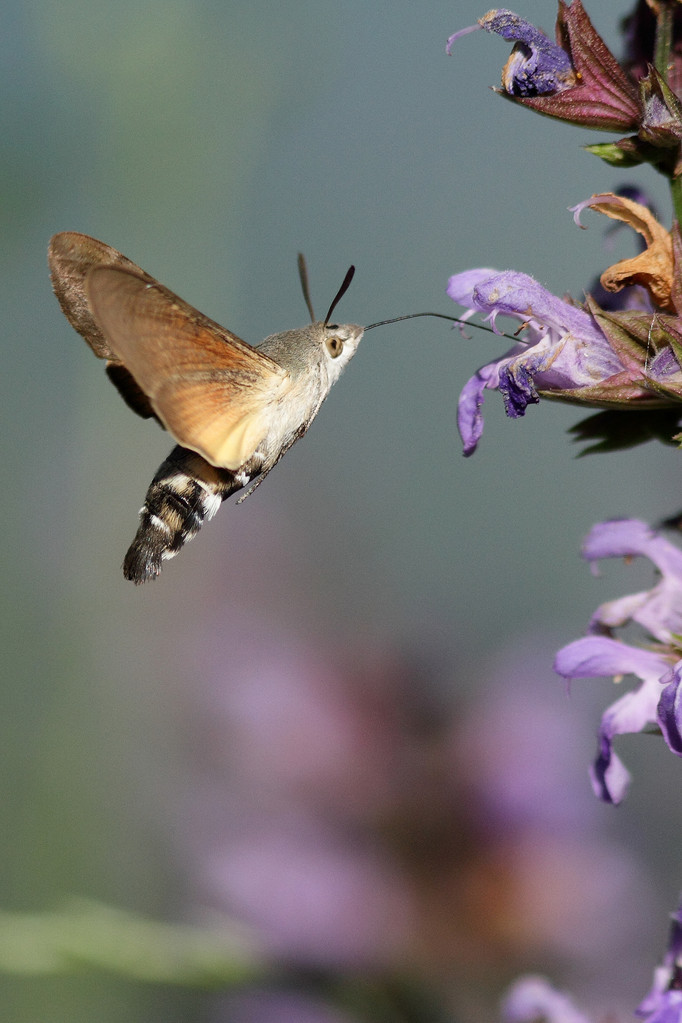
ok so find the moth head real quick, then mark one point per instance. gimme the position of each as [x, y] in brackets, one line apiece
[338, 342]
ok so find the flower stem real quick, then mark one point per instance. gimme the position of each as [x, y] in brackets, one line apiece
[664, 34]
[676, 196]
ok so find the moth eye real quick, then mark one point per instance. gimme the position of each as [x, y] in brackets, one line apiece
[334, 346]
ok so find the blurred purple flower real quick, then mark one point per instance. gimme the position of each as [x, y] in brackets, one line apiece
[276, 1006]
[533, 998]
[312, 893]
[289, 768]
[655, 702]
[540, 831]
[350, 824]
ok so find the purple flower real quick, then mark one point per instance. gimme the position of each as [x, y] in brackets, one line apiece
[536, 66]
[655, 702]
[658, 610]
[576, 79]
[565, 354]
[663, 1004]
[604, 657]
[583, 354]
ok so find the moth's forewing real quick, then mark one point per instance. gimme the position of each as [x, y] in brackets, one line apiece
[71, 256]
[211, 390]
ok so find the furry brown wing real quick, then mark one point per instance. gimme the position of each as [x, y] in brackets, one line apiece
[70, 257]
[212, 391]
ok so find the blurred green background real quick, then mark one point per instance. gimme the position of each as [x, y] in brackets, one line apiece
[210, 141]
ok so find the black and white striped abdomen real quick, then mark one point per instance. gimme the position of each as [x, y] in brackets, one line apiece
[185, 492]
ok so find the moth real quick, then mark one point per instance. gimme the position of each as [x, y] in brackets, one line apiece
[233, 409]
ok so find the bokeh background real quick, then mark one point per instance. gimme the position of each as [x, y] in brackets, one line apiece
[333, 718]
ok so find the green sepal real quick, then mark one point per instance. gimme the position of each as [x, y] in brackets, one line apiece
[613, 154]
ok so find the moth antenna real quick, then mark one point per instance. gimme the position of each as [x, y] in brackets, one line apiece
[340, 293]
[303, 276]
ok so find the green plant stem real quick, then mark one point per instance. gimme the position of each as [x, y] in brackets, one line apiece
[676, 196]
[664, 35]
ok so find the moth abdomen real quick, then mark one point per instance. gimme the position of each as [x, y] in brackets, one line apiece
[185, 492]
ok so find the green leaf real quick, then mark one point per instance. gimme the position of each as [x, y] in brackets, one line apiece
[86, 935]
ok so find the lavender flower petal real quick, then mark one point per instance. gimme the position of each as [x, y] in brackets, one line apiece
[658, 610]
[469, 408]
[609, 776]
[603, 656]
[633, 712]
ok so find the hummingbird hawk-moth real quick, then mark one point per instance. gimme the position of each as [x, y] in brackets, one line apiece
[233, 409]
